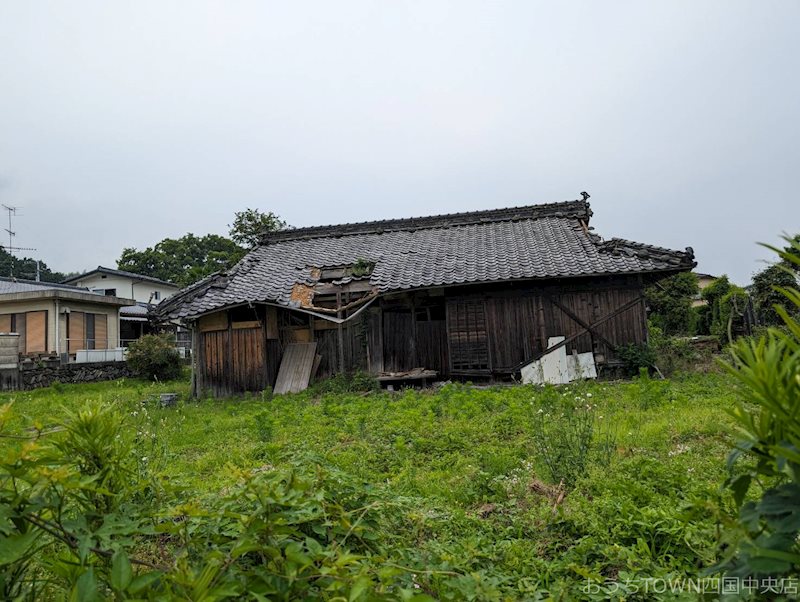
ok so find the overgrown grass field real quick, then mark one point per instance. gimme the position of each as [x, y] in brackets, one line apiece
[512, 492]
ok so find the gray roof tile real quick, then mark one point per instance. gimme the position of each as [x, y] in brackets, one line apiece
[534, 242]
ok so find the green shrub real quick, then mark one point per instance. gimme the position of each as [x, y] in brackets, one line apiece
[727, 305]
[264, 426]
[563, 433]
[651, 392]
[352, 382]
[287, 534]
[667, 354]
[154, 357]
[766, 490]
[670, 303]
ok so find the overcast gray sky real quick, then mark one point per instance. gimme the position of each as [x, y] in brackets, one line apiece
[122, 123]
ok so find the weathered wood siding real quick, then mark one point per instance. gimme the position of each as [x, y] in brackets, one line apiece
[463, 331]
[494, 330]
[232, 354]
[399, 344]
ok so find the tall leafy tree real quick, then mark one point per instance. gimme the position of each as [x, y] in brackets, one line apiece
[766, 296]
[190, 258]
[182, 260]
[251, 224]
[766, 284]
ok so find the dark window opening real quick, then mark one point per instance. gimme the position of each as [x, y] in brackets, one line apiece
[435, 313]
[298, 319]
[89, 330]
[244, 313]
[110, 292]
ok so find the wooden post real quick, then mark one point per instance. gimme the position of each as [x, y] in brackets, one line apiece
[413, 343]
[198, 362]
[229, 371]
[542, 325]
[643, 305]
[340, 333]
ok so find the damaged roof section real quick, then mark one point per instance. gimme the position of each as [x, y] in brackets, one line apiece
[335, 290]
[334, 269]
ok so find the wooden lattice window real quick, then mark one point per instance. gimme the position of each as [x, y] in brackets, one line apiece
[467, 336]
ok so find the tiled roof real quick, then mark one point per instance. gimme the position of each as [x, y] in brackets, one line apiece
[522, 243]
[112, 272]
[140, 310]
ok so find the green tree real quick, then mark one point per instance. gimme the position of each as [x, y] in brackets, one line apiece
[766, 294]
[183, 260]
[727, 304]
[251, 224]
[670, 303]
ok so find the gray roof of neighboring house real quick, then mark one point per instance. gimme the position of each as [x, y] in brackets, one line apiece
[520, 243]
[140, 310]
[15, 289]
[112, 272]
[15, 285]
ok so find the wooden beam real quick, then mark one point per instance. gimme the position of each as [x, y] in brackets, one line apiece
[586, 326]
[357, 286]
[569, 339]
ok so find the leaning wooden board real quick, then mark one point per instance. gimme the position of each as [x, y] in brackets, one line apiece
[295, 370]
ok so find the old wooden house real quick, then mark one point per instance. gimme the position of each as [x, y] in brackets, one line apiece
[467, 295]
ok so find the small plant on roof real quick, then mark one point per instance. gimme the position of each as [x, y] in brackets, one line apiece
[362, 267]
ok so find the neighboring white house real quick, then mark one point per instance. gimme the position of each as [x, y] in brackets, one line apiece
[118, 283]
[145, 290]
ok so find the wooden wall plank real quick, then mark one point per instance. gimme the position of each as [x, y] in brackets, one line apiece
[212, 322]
[272, 322]
[295, 370]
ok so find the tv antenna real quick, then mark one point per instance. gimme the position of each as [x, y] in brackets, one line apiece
[12, 212]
